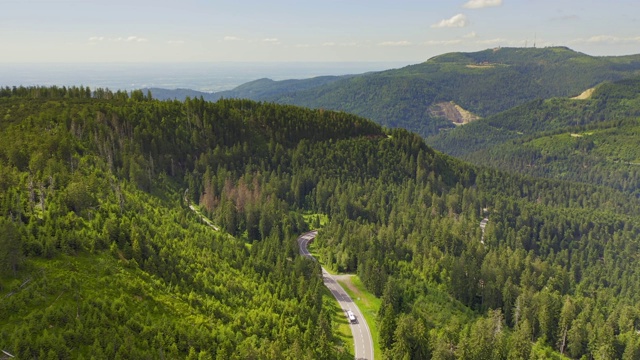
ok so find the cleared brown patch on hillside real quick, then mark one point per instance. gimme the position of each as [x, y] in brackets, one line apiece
[585, 94]
[452, 112]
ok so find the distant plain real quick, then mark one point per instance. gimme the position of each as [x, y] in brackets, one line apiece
[207, 77]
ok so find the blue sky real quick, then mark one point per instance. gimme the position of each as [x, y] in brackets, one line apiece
[305, 30]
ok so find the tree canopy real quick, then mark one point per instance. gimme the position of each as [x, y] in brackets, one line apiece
[102, 256]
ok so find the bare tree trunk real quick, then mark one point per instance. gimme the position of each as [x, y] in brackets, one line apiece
[564, 340]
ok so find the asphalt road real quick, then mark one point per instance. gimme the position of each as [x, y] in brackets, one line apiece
[362, 340]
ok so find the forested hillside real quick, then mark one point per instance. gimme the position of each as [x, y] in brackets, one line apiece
[590, 140]
[102, 257]
[484, 83]
[257, 89]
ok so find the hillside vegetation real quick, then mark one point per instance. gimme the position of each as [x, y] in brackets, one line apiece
[590, 140]
[257, 89]
[102, 257]
[484, 83]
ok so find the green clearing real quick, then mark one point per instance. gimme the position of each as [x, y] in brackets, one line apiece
[315, 220]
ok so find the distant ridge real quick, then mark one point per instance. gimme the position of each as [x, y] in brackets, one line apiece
[260, 89]
[484, 83]
[179, 94]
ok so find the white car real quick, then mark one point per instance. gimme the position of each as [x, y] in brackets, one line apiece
[352, 317]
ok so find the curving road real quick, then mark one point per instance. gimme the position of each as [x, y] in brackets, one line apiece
[362, 340]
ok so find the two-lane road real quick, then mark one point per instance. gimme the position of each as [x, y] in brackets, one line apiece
[362, 340]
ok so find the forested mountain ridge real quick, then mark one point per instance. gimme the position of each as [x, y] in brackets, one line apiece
[101, 256]
[591, 140]
[256, 90]
[484, 83]
[99, 237]
[264, 89]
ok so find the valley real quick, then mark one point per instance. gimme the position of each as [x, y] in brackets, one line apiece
[138, 227]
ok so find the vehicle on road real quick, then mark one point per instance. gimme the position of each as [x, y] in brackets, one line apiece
[352, 317]
[362, 339]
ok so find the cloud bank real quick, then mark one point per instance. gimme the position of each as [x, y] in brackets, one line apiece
[443, 42]
[395, 43]
[459, 20]
[479, 4]
[94, 39]
[609, 39]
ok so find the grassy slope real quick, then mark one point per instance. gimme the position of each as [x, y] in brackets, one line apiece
[368, 304]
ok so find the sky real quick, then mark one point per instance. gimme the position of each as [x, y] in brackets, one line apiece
[90, 31]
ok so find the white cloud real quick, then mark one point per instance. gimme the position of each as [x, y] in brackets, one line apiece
[493, 41]
[329, 43]
[270, 40]
[459, 20]
[613, 39]
[607, 39]
[231, 38]
[479, 4]
[395, 43]
[604, 39]
[443, 42]
[471, 35]
[135, 39]
[132, 38]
